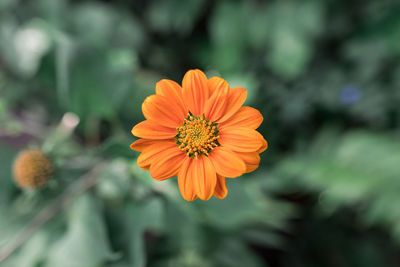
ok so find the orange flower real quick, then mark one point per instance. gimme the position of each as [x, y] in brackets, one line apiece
[199, 132]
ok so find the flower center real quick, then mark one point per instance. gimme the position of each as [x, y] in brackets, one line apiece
[197, 136]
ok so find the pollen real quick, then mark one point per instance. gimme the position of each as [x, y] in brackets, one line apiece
[197, 136]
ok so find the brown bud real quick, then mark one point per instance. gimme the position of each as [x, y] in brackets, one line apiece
[32, 169]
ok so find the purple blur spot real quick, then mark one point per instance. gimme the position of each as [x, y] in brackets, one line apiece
[350, 94]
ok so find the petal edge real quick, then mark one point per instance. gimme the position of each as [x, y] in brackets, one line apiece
[151, 130]
[195, 91]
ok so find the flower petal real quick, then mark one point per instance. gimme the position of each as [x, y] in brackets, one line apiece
[141, 144]
[215, 83]
[247, 117]
[236, 98]
[216, 104]
[263, 147]
[204, 177]
[240, 139]
[152, 152]
[172, 91]
[152, 130]
[252, 160]
[195, 91]
[167, 163]
[159, 108]
[226, 162]
[220, 188]
[185, 181]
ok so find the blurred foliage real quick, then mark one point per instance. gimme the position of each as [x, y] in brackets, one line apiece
[351, 171]
[324, 74]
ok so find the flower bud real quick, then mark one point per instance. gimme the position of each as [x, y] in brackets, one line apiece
[32, 169]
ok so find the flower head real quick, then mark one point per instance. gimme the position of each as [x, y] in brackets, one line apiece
[32, 169]
[199, 132]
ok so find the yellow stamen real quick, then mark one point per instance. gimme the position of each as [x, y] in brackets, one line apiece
[197, 136]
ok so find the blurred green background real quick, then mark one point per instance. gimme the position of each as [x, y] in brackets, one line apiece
[325, 74]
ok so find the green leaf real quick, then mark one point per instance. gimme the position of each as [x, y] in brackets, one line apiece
[101, 81]
[245, 204]
[295, 27]
[33, 251]
[233, 253]
[359, 169]
[141, 217]
[85, 243]
[174, 15]
[7, 4]
[93, 22]
[289, 53]
[114, 183]
[228, 24]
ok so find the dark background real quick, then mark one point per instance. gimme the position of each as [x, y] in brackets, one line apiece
[325, 74]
